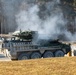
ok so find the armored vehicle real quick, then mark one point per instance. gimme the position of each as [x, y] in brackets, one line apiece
[23, 49]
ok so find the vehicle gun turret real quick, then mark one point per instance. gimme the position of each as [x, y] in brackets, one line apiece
[26, 35]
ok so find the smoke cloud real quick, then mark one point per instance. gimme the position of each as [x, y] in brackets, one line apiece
[45, 17]
[49, 26]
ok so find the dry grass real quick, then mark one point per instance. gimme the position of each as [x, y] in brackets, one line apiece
[53, 66]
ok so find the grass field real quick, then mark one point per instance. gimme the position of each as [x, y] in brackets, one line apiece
[51, 66]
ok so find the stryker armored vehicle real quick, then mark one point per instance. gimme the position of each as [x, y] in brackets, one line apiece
[23, 49]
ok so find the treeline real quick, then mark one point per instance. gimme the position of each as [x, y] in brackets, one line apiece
[73, 2]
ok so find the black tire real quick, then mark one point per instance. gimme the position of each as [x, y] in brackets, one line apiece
[23, 56]
[35, 55]
[48, 54]
[59, 53]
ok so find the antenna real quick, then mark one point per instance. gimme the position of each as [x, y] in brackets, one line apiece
[20, 30]
[1, 29]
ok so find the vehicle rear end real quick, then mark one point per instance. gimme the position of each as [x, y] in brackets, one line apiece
[6, 48]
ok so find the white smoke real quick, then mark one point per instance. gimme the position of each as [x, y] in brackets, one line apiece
[28, 19]
[50, 28]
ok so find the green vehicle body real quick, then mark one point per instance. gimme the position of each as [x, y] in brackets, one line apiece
[25, 49]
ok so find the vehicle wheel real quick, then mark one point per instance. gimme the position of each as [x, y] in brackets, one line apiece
[59, 53]
[23, 56]
[35, 55]
[48, 54]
